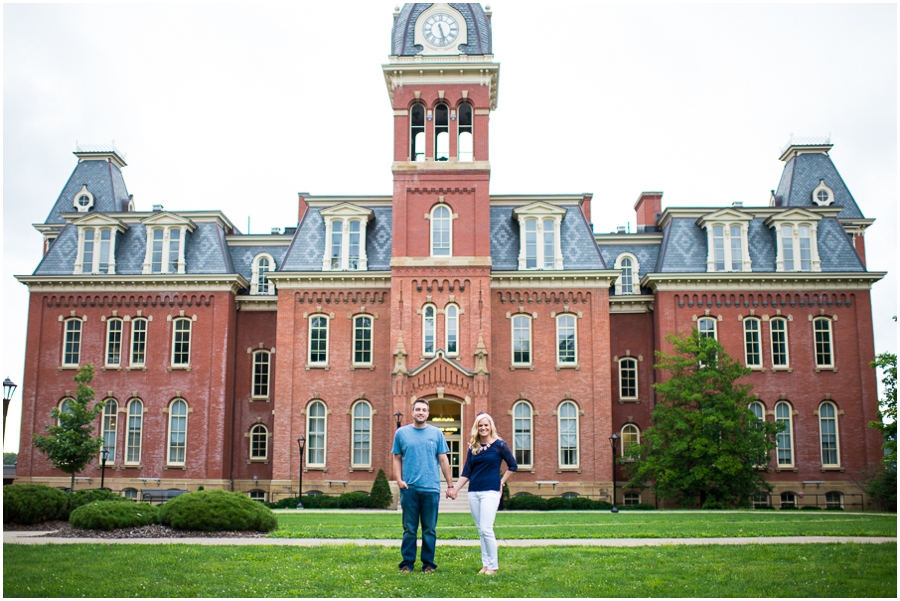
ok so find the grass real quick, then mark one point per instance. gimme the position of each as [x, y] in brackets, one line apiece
[590, 524]
[100, 570]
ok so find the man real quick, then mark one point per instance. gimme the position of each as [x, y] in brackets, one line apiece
[420, 455]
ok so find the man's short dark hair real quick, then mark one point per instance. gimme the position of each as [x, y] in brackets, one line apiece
[427, 404]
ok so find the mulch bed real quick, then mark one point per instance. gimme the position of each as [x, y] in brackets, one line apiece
[63, 529]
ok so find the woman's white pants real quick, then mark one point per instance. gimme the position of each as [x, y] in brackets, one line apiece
[484, 505]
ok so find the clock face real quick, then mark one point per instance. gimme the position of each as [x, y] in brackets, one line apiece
[440, 29]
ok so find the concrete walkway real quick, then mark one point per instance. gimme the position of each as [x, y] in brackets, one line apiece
[35, 538]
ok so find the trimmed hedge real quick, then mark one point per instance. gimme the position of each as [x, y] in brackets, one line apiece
[216, 510]
[810, 508]
[110, 514]
[536, 503]
[83, 497]
[33, 503]
[355, 500]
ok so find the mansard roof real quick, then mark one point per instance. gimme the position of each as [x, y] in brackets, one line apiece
[802, 174]
[103, 180]
[478, 25]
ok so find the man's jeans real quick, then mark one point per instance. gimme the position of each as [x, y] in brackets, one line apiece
[484, 505]
[419, 506]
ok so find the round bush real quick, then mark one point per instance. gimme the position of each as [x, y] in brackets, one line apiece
[83, 497]
[354, 500]
[320, 502]
[33, 503]
[216, 510]
[527, 502]
[109, 515]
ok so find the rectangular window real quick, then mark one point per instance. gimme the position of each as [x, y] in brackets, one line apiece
[354, 245]
[156, 252]
[783, 439]
[521, 340]
[736, 254]
[337, 237]
[362, 340]
[318, 340]
[530, 244]
[805, 248]
[822, 332]
[104, 250]
[752, 351]
[522, 439]
[135, 429]
[778, 330]
[72, 342]
[174, 249]
[362, 434]
[565, 339]
[719, 247]
[181, 342]
[113, 342]
[261, 374]
[628, 379]
[87, 255]
[787, 247]
[549, 243]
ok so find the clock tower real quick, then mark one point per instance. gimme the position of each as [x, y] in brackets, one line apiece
[442, 83]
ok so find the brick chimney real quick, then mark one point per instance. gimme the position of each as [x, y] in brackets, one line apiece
[302, 205]
[648, 208]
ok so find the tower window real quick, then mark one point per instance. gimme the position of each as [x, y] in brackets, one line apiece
[417, 133]
[441, 234]
[465, 143]
[428, 330]
[451, 329]
[441, 133]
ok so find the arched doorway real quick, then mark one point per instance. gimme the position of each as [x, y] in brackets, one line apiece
[446, 415]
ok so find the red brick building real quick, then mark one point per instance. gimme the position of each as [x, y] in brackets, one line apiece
[215, 350]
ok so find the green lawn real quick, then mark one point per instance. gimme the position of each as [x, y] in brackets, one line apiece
[100, 570]
[590, 524]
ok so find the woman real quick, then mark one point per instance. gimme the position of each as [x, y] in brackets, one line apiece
[482, 472]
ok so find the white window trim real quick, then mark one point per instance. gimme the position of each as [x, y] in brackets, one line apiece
[539, 211]
[253, 356]
[636, 378]
[559, 448]
[530, 419]
[128, 431]
[447, 318]
[837, 435]
[371, 360]
[111, 459]
[715, 329]
[512, 338]
[567, 364]
[635, 277]
[109, 323]
[94, 268]
[787, 347]
[175, 321]
[65, 333]
[789, 430]
[622, 437]
[310, 362]
[795, 218]
[187, 414]
[450, 220]
[164, 267]
[759, 343]
[426, 353]
[62, 404]
[726, 231]
[134, 321]
[830, 365]
[353, 419]
[265, 434]
[343, 214]
[85, 192]
[823, 187]
[324, 435]
[254, 275]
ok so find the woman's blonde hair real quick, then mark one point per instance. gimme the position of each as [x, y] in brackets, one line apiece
[475, 440]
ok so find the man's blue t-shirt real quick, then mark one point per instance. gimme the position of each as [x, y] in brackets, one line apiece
[419, 449]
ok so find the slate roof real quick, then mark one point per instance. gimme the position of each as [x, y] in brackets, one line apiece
[646, 254]
[242, 257]
[683, 249]
[800, 177]
[104, 181]
[478, 28]
[308, 246]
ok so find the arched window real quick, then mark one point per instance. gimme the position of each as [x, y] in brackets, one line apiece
[65, 406]
[822, 335]
[318, 340]
[568, 435]
[628, 281]
[628, 378]
[521, 340]
[707, 327]
[315, 434]
[110, 412]
[181, 342]
[784, 439]
[441, 133]
[138, 342]
[262, 364]
[362, 340]
[178, 417]
[257, 495]
[135, 432]
[464, 144]
[566, 339]
[828, 434]
[362, 434]
[451, 329]
[417, 133]
[259, 443]
[262, 264]
[130, 493]
[113, 342]
[778, 333]
[630, 435]
[72, 343]
[758, 410]
[752, 347]
[441, 231]
[428, 330]
[523, 438]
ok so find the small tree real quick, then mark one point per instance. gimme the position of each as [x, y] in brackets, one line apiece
[704, 442]
[880, 480]
[380, 497]
[69, 444]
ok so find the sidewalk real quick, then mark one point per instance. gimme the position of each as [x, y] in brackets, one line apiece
[35, 538]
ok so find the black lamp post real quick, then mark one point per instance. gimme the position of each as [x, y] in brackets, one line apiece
[614, 440]
[104, 455]
[300, 442]
[8, 389]
[398, 416]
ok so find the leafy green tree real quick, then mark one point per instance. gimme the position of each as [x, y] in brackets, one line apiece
[10, 458]
[887, 409]
[704, 444]
[69, 444]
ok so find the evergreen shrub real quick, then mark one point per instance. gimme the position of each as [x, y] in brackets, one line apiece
[527, 502]
[354, 500]
[33, 503]
[638, 506]
[216, 510]
[811, 508]
[83, 497]
[380, 497]
[320, 502]
[109, 515]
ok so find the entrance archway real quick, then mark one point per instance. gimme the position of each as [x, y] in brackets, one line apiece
[447, 415]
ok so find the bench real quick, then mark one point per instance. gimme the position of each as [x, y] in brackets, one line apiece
[160, 496]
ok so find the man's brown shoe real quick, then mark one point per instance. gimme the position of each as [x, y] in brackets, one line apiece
[428, 570]
[405, 570]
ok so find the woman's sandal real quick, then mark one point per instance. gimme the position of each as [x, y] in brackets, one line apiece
[490, 572]
[482, 570]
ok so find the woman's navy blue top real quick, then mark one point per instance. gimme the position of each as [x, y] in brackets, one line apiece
[483, 469]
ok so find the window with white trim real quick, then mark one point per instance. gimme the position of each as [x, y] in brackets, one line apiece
[523, 438]
[260, 283]
[726, 237]
[362, 340]
[84, 200]
[628, 281]
[784, 440]
[96, 250]
[429, 329]
[779, 337]
[109, 421]
[628, 378]
[65, 406]
[796, 246]
[362, 434]
[441, 218]
[316, 422]
[451, 329]
[346, 240]
[130, 493]
[259, 443]
[318, 339]
[113, 342]
[465, 142]
[178, 417]
[262, 365]
[521, 340]
[165, 249]
[630, 435]
[630, 499]
[441, 132]
[417, 133]
[758, 410]
[834, 500]
[566, 339]
[752, 346]
[539, 236]
[135, 432]
[71, 355]
[828, 435]
[707, 327]
[567, 422]
[822, 339]
[788, 500]
[181, 342]
[138, 342]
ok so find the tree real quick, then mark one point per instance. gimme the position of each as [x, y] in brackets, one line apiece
[10, 458]
[380, 497]
[880, 480]
[69, 444]
[704, 443]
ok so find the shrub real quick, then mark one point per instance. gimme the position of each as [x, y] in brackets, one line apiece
[216, 510]
[834, 508]
[320, 502]
[603, 505]
[83, 497]
[504, 497]
[559, 503]
[380, 497]
[33, 503]
[354, 500]
[811, 508]
[528, 502]
[789, 509]
[109, 515]
[637, 506]
[764, 508]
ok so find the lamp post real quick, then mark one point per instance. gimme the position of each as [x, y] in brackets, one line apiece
[8, 389]
[104, 455]
[398, 416]
[614, 440]
[300, 442]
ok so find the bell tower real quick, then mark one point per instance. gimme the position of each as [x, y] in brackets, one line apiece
[442, 83]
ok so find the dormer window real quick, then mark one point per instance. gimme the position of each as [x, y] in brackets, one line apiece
[97, 244]
[822, 195]
[345, 239]
[84, 200]
[464, 144]
[628, 281]
[417, 133]
[795, 240]
[263, 263]
[166, 240]
[539, 241]
[726, 235]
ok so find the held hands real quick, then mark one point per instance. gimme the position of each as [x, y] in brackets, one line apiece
[452, 493]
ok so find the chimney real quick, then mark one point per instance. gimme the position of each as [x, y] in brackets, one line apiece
[303, 205]
[586, 205]
[648, 208]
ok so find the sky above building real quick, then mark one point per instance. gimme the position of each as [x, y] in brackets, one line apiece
[239, 107]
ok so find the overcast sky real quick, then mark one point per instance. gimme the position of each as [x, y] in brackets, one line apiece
[239, 107]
